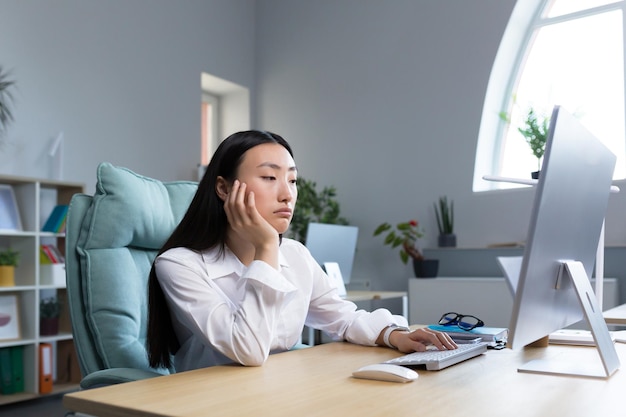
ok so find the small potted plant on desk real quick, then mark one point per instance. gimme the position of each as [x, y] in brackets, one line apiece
[8, 262]
[49, 312]
[405, 236]
[444, 211]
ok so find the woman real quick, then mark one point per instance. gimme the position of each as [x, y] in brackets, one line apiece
[226, 287]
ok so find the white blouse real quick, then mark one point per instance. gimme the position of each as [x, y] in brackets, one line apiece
[223, 311]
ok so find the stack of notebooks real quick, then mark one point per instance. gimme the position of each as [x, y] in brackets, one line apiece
[56, 220]
[494, 336]
[50, 254]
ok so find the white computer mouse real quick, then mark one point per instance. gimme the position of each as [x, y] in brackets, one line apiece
[386, 372]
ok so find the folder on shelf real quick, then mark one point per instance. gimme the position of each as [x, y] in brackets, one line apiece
[50, 254]
[6, 371]
[17, 367]
[44, 258]
[45, 368]
[56, 220]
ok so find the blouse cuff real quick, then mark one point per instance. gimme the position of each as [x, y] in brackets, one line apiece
[263, 273]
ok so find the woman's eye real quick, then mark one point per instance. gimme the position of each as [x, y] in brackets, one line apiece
[294, 181]
[269, 178]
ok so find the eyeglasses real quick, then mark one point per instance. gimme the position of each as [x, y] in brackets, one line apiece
[462, 321]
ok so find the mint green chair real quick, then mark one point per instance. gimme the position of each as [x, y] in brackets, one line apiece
[112, 238]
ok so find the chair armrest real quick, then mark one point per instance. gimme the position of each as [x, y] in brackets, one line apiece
[115, 376]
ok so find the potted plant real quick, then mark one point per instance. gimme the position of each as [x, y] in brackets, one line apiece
[444, 211]
[535, 132]
[6, 99]
[9, 260]
[314, 206]
[49, 312]
[405, 236]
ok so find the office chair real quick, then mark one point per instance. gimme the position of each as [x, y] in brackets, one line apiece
[112, 238]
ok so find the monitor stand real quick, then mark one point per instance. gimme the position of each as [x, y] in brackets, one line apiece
[593, 314]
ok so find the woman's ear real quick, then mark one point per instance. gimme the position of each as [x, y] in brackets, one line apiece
[222, 188]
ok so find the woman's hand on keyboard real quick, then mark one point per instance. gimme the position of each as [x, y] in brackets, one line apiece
[419, 340]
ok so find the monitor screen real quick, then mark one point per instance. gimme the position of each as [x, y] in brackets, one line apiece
[570, 203]
[333, 243]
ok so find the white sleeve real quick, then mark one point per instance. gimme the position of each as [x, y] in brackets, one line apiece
[240, 329]
[340, 318]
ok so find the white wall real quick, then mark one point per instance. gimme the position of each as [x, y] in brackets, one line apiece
[120, 78]
[384, 100]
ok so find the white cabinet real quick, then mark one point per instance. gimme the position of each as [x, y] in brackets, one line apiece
[35, 200]
[487, 298]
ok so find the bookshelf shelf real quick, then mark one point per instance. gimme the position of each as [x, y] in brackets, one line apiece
[36, 199]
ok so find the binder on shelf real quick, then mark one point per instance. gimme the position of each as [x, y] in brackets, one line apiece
[57, 253]
[51, 254]
[493, 335]
[44, 259]
[6, 372]
[45, 368]
[17, 367]
[56, 220]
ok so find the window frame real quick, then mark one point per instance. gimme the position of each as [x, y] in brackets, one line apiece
[525, 21]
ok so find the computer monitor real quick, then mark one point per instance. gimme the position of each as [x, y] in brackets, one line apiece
[333, 243]
[553, 289]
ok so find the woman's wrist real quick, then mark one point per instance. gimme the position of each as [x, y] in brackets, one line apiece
[387, 335]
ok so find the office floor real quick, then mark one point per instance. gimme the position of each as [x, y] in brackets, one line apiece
[41, 407]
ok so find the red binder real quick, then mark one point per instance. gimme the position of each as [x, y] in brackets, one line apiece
[45, 368]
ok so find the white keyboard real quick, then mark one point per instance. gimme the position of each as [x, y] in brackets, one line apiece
[435, 360]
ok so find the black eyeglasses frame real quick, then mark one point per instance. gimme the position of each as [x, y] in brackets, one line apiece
[458, 320]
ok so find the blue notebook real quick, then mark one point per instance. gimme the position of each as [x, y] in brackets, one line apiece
[488, 334]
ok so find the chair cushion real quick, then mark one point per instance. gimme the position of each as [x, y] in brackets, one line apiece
[129, 220]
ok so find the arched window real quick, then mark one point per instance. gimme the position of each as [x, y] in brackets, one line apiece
[554, 52]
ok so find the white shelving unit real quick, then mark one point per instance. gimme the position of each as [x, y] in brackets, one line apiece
[35, 199]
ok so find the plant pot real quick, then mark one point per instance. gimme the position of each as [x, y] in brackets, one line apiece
[535, 175]
[447, 240]
[425, 268]
[48, 326]
[7, 276]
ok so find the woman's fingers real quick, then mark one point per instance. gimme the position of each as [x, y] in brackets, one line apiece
[235, 206]
[421, 338]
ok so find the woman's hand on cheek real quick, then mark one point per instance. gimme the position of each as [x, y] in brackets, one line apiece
[245, 219]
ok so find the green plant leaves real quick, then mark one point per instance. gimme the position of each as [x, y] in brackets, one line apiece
[6, 98]
[535, 132]
[444, 212]
[314, 206]
[9, 257]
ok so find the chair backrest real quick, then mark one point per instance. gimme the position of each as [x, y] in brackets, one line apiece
[112, 238]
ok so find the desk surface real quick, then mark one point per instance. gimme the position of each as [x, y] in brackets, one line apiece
[317, 382]
[616, 315]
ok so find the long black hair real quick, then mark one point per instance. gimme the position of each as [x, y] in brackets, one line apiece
[204, 226]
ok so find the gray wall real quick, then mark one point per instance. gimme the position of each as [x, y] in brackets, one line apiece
[120, 78]
[380, 98]
[383, 100]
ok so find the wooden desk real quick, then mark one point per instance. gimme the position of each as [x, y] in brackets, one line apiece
[616, 315]
[317, 382]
